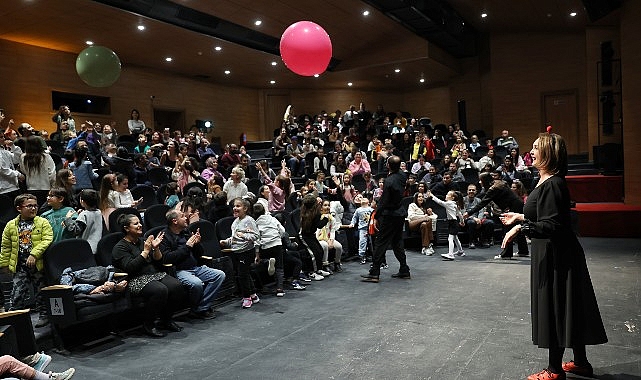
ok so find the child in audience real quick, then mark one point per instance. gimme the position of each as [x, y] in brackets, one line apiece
[10, 366]
[88, 225]
[120, 195]
[244, 232]
[310, 221]
[24, 241]
[453, 205]
[360, 220]
[270, 244]
[171, 194]
[327, 238]
[56, 216]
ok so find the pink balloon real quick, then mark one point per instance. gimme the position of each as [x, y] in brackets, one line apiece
[306, 48]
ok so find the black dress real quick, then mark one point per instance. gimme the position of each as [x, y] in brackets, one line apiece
[564, 308]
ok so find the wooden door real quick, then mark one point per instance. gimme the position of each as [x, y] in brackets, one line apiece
[560, 110]
[275, 105]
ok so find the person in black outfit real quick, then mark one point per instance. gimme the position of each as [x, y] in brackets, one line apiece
[163, 294]
[499, 193]
[390, 217]
[565, 312]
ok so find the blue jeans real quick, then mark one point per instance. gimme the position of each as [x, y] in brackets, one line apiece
[202, 283]
[362, 242]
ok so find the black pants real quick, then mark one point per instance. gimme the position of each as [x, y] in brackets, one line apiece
[242, 263]
[276, 253]
[390, 232]
[162, 298]
[315, 250]
[292, 262]
[520, 241]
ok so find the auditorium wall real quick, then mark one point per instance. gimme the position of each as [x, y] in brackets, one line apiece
[630, 62]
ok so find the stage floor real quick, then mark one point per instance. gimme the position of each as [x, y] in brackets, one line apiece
[467, 319]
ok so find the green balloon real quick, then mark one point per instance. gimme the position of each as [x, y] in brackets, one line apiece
[98, 66]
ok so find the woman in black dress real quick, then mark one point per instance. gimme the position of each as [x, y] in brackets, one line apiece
[564, 308]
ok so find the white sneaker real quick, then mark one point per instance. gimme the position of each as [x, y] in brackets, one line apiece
[62, 375]
[424, 251]
[316, 277]
[460, 253]
[271, 268]
[323, 273]
[429, 250]
[447, 256]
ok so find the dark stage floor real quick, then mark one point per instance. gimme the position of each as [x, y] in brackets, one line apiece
[467, 319]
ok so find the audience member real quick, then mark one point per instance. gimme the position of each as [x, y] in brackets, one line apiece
[182, 250]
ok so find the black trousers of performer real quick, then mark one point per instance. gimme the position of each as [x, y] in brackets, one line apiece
[390, 232]
[520, 241]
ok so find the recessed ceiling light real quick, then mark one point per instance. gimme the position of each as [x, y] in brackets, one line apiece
[200, 53]
[89, 42]
[258, 22]
[218, 48]
[169, 59]
[573, 14]
[316, 75]
[483, 15]
[365, 13]
[274, 63]
[272, 82]
[422, 80]
[88, 101]
[141, 27]
[227, 72]
[397, 70]
[349, 84]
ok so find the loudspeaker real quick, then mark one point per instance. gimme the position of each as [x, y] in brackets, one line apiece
[462, 115]
[607, 52]
[600, 8]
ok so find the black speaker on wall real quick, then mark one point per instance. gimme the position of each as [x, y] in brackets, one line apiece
[607, 53]
[462, 115]
[600, 8]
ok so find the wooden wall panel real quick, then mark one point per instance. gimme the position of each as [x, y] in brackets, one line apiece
[30, 74]
[433, 103]
[631, 61]
[526, 65]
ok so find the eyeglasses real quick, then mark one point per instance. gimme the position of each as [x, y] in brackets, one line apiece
[30, 206]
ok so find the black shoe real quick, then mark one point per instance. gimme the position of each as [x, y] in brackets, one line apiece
[526, 254]
[369, 278]
[152, 331]
[171, 326]
[207, 314]
[338, 267]
[327, 269]
[402, 275]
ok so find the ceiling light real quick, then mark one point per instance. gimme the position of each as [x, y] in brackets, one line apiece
[483, 15]
[218, 48]
[365, 13]
[422, 80]
[258, 22]
[272, 82]
[349, 84]
[316, 75]
[88, 101]
[274, 63]
[141, 27]
[573, 14]
[89, 42]
[227, 72]
[397, 70]
[169, 59]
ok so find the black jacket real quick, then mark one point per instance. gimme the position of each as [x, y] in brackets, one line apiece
[390, 202]
[175, 250]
